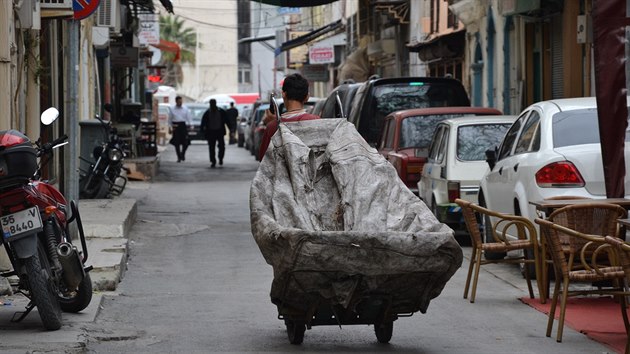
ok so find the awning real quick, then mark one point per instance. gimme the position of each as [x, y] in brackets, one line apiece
[309, 37]
[295, 3]
[256, 39]
[442, 47]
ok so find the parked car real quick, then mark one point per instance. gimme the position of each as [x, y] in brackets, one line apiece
[376, 98]
[242, 126]
[457, 162]
[317, 108]
[552, 149]
[346, 92]
[196, 110]
[257, 128]
[407, 135]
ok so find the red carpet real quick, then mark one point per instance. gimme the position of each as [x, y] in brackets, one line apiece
[598, 317]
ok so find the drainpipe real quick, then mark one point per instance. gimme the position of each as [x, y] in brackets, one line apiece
[70, 166]
[33, 109]
[7, 31]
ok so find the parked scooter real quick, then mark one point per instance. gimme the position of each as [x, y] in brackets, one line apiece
[104, 177]
[35, 217]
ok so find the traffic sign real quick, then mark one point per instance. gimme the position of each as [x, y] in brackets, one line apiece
[84, 8]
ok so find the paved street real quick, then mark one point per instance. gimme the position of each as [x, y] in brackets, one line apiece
[196, 282]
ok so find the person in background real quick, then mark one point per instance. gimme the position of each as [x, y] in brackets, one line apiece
[294, 95]
[178, 121]
[212, 128]
[232, 114]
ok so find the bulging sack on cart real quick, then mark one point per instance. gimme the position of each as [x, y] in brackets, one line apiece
[334, 220]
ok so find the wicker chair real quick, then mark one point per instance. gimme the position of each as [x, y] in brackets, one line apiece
[592, 218]
[589, 250]
[527, 240]
[622, 252]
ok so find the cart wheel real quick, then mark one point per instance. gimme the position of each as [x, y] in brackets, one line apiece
[295, 331]
[384, 331]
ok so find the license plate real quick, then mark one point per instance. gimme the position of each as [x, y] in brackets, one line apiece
[22, 222]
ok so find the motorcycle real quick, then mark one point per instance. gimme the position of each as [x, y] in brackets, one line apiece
[104, 177]
[35, 219]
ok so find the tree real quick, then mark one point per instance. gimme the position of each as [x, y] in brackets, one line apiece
[172, 30]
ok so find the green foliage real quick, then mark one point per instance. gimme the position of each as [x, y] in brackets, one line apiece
[172, 29]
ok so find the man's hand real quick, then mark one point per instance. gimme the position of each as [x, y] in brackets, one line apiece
[269, 117]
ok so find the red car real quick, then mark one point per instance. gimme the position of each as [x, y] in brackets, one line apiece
[407, 134]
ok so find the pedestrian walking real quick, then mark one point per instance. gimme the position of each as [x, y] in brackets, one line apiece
[232, 114]
[294, 95]
[212, 128]
[178, 121]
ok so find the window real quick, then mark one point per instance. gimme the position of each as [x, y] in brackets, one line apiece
[474, 140]
[530, 130]
[244, 76]
[391, 130]
[442, 149]
[510, 137]
[436, 143]
[577, 127]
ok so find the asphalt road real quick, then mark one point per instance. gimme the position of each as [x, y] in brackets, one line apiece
[196, 282]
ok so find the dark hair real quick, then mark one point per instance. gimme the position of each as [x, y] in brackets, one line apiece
[213, 104]
[178, 98]
[296, 87]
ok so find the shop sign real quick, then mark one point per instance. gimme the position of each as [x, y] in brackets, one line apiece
[288, 11]
[149, 31]
[124, 57]
[323, 54]
[315, 72]
[297, 55]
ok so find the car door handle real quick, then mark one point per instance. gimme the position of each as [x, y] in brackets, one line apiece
[515, 167]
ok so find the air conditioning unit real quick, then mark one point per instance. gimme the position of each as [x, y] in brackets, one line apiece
[109, 14]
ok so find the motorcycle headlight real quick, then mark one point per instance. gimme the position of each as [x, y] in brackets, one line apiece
[115, 155]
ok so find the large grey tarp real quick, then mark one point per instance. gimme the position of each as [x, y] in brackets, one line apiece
[334, 220]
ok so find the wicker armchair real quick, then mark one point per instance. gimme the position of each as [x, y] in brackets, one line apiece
[589, 250]
[622, 254]
[592, 218]
[527, 240]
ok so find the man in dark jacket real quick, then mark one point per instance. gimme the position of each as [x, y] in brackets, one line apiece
[232, 114]
[212, 127]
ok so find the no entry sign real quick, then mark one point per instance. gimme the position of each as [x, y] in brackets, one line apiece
[84, 8]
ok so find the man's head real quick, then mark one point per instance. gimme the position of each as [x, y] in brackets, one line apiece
[213, 104]
[295, 87]
[178, 101]
[231, 104]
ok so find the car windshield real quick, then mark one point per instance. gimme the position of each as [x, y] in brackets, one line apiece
[197, 113]
[395, 97]
[576, 127]
[417, 131]
[474, 140]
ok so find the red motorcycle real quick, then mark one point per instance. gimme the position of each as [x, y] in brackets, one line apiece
[35, 218]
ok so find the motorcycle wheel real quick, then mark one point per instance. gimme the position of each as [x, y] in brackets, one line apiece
[98, 188]
[42, 289]
[81, 299]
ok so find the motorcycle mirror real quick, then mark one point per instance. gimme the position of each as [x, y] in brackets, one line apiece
[49, 116]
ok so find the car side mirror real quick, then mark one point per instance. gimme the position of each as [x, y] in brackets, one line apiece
[491, 158]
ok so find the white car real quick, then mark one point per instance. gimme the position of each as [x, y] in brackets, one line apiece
[552, 149]
[457, 162]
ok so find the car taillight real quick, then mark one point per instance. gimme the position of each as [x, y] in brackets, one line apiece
[414, 172]
[559, 174]
[453, 191]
